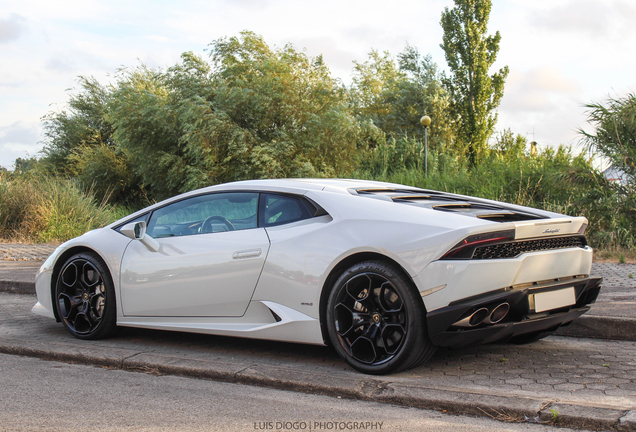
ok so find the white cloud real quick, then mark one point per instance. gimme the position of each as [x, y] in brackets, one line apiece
[11, 28]
[561, 53]
[18, 140]
[595, 18]
[157, 38]
[339, 59]
[537, 90]
[543, 104]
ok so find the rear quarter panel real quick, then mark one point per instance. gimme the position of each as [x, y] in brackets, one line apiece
[303, 254]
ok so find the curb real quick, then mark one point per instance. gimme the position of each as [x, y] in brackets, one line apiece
[598, 327]
[15, 287]
[498, 407]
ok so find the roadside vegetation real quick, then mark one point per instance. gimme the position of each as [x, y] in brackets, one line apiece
[48, 209]
[246, 110]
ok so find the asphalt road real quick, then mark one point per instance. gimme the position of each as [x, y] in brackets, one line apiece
[50, 396]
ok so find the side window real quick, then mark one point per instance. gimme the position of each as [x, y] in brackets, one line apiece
[282, 209]
[205, 214]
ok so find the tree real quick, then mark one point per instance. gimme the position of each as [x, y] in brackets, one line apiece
[83, 123]
[510, 146]
[615, 134]
[277, 113]
[146, 113]
[395, 94]
[21, 166]
[249, 112]
[474, 95]
[80, 143]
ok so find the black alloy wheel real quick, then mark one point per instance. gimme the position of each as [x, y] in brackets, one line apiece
[85, 297]
[376, 319]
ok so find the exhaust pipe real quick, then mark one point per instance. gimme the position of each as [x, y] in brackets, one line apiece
[498, 313]
[483, 315]
[473, 319]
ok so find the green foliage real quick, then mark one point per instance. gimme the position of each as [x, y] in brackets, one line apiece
[252, 112]
[21, 166]
[283, 115]
[407, 154]
[394, 95]
[474, 95]
[615, 138]
[108, 173]
[510, 146]
[554, 416]
[144, 112]
[615, 134]
[80, 144]
[82, 124]
[553, 180]
[48, 209]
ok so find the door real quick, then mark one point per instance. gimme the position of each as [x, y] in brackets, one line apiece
[210, 258]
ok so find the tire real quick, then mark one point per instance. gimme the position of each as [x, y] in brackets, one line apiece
[85, 297]
[376, 319]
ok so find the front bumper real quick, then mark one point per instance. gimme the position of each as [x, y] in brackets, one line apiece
[521, 319]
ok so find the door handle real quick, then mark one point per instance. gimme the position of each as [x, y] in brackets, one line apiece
[250, 253]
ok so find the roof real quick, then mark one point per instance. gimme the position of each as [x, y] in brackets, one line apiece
[340, 185]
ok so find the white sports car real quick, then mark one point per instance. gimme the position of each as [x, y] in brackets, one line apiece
[383, 272]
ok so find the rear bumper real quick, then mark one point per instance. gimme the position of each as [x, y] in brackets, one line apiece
[520, 319]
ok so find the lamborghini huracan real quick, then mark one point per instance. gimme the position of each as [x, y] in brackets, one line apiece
[384, 273]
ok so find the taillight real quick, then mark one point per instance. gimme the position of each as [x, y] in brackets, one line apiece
[465, 248]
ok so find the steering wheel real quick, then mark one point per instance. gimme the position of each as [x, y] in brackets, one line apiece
[206, 227]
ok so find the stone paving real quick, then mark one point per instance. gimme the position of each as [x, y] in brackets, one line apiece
[618, 295]
[616, 275]
[558, 367]
[25, 252]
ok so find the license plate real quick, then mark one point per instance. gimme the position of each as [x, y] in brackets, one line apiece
[552, 299]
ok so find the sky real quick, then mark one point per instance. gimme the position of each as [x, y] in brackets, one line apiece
[562, 54]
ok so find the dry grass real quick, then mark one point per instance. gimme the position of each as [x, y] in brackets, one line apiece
[46, 210]
[617, 255]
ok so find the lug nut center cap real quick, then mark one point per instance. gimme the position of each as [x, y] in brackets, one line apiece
[376, 318]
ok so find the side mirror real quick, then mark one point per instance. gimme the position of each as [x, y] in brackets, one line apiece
[134, 230]
[140, 230]
[137, 231]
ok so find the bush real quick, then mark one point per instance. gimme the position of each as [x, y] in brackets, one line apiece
[553, 180]
[49, 209]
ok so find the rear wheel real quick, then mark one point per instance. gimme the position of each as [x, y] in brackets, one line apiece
[85, 297]
[376, 319]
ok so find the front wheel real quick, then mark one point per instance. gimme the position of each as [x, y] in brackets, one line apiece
[85, 297]
[376, 319]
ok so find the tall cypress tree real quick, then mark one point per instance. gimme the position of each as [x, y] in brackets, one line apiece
[470, 53]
